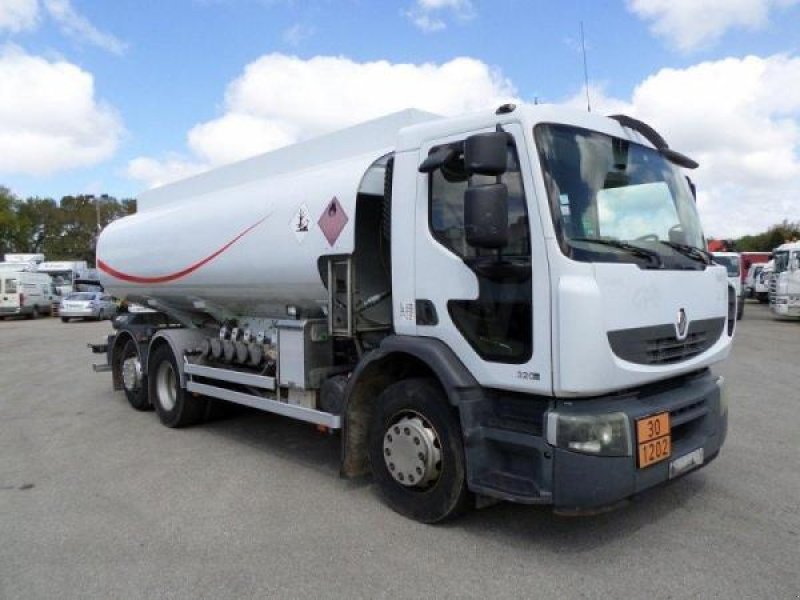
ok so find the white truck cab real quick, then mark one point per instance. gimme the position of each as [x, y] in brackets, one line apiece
[733, 264]
[754, 286]
[785, 297]
[515, 304]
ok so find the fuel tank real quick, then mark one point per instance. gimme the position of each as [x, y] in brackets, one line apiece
[246, 239]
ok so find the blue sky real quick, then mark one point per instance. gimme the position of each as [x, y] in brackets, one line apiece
[161, 69]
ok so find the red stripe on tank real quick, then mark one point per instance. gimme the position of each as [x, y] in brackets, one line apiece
[106, 268]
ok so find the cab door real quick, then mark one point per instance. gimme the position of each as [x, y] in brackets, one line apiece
[491, 307]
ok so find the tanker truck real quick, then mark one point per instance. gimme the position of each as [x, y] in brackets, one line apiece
[512, 305]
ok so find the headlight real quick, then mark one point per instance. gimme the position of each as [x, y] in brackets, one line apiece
[602, 435]
[723, 396]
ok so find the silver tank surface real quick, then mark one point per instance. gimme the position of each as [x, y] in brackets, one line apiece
[246, 239]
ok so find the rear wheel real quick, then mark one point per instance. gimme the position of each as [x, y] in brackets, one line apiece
[416, 452]
[134, 382]
[64, 319]
[174, 406]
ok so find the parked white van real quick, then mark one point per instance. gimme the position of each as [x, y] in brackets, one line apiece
[25, 293]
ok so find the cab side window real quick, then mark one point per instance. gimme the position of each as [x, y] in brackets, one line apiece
[446, 206]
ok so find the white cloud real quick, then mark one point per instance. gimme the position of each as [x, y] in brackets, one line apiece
[281, 99]
[25, 15]
[297, 33]
[690, 24]
[50, 119]
[429, 15]
[18, 15]
[159, 172]
[740, 119]
[76, 26]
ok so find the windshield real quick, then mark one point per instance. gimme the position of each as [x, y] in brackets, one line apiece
[81, 296]
[781, 261]
[605, 190]
[731, 263]
[61, 277]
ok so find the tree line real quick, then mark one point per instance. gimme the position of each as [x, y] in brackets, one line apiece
[63, 230]
[770, 239]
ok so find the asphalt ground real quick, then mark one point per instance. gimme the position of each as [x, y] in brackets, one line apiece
[99, 501]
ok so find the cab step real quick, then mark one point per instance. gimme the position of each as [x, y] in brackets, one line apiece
[509, 486]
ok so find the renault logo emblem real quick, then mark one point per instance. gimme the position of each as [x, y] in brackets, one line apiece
[681, 325]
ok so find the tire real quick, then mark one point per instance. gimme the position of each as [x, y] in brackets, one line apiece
[740, 311]
[34, 313]
[65, 319]
[135, 388]
[403, 407]
[175, 408]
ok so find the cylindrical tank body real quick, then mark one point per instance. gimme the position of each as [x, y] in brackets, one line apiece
[249, 249]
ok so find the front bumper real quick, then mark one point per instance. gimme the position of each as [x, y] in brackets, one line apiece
[7, 311]
[576, 483]
[76, 313]
[786, 307]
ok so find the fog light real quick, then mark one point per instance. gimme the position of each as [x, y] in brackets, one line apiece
[602, 435]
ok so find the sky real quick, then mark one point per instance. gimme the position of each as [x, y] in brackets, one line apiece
[115, 97]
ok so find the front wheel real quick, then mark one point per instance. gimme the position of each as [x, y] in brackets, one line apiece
[416, 452]
[34, 313]
[174, 406]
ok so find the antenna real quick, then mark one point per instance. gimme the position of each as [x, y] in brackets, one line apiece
[585, 71]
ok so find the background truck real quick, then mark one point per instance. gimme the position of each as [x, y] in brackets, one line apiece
[65, 272]
[25, 293]
[733, 264]
[785, 281]
[512, 305]
[748, 259]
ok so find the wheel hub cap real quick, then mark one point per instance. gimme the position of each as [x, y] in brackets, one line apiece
[166, 386]
[131, 373]
[412, 452]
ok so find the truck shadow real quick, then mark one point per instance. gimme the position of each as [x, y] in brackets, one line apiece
[293, 440]
[510, 524]
[523, 526]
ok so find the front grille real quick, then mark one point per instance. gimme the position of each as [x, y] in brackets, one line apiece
[658, 345]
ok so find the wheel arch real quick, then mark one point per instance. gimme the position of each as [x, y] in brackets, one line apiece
[120, 340]
[179, 340]
[397, 358]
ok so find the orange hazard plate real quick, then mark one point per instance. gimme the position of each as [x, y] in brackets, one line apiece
[653, 439]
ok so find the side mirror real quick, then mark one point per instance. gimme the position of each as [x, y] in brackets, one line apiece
[486, 215]
[485, 153]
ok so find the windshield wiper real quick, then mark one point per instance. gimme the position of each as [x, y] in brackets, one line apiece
[690, 251]
[652, 255]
